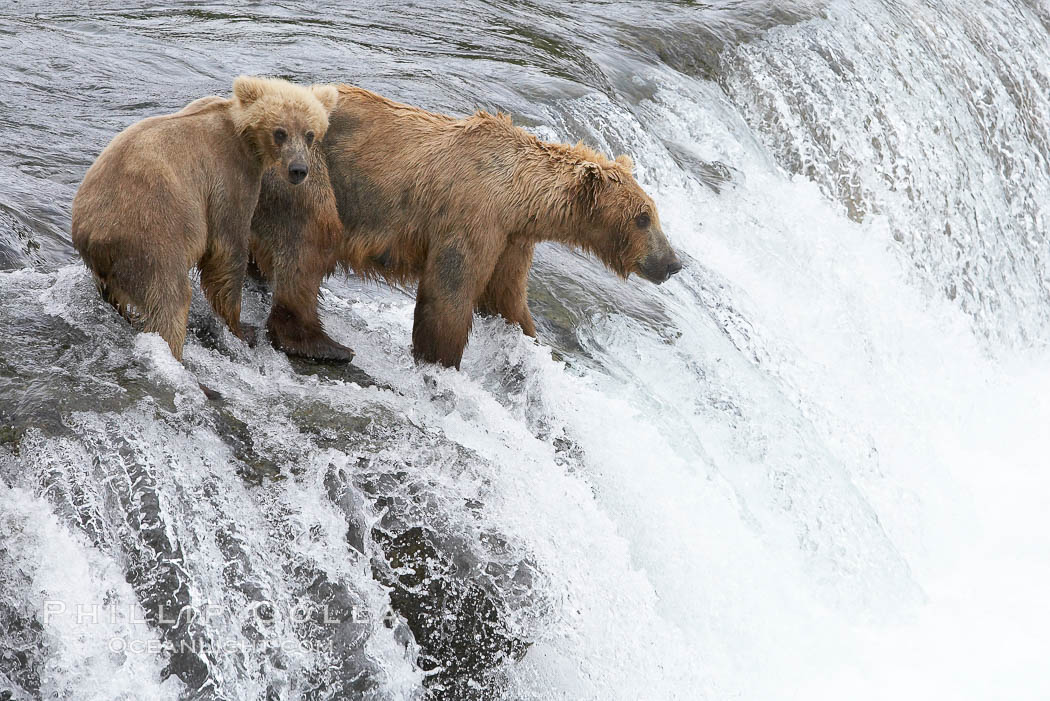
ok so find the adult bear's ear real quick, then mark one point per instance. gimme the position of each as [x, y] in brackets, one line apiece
[247, 89]
[327, 95]
[588, 173]
[589, 178]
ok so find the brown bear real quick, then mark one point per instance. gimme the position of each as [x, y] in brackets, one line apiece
[177, 191]
[403, 194]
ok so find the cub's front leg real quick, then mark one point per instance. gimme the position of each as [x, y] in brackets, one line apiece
[225, 259]
[222, 278]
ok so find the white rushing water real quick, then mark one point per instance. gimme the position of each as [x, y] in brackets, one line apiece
[813, 465]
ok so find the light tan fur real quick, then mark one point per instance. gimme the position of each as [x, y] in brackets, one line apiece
[177, 191]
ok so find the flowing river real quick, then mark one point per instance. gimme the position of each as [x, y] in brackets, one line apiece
[813, 465]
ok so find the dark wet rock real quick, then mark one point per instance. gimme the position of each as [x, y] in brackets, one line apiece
[50, 368]
[121, 503]
[252, 464]
[459, 591]
[23, 652]
[345, 432]
[153, 559]
[336, 621]
[10, 434]
[456, 623]
[355, 507]
[337, 371]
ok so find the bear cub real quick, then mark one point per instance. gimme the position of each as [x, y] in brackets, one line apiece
[175, 192]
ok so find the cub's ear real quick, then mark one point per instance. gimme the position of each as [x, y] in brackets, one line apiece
[626, 162]
[247, 89]
[327, 95]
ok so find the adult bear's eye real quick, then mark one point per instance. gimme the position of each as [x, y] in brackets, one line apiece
[279, 136]
[309, 138]
[642, 221]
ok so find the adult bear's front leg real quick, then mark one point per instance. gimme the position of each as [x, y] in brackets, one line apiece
[505, 294]
[445, 302]
[294, 325]
[294, 230]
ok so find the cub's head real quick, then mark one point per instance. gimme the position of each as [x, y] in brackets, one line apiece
[282, 121]
[626, 232]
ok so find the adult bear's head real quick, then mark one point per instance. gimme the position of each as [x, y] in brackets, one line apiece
[282, 120]
[625, 228]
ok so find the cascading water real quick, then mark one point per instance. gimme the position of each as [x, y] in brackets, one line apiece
[934, 116]
[810, 466]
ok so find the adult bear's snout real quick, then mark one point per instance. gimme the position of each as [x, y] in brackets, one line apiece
[658, 269]
[297, 172]
[675, 266]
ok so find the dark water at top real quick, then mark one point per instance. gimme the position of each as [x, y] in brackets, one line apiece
[73, 76]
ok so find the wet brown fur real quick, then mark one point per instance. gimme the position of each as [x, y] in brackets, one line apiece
[177, 191]
[455, 204]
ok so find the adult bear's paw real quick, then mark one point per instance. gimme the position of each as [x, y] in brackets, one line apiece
[304, 339]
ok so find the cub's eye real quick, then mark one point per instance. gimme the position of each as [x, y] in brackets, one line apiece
[309, 138]
[279, 136]
[642, 221]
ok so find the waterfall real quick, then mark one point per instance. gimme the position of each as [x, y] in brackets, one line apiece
[811, 465]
